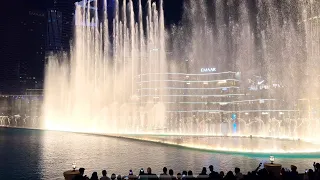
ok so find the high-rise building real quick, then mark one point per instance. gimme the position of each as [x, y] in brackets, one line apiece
[67, 9]
[11, 48]
[31, 65]
[22, 47]
[36, 24]
[54, 31]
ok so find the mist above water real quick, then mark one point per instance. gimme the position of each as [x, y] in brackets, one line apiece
[120, 81]
[96, 90]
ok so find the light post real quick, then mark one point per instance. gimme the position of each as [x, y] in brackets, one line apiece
[271, 159]
[69, 175]
[272, 167]
[74, 166]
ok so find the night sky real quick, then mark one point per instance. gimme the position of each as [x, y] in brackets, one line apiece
[23, 33]
[23, 38]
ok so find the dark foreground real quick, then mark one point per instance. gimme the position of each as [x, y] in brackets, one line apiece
[258, 173]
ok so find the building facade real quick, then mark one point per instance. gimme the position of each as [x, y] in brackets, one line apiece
[11, 46]
[66, 11]
[31, 66]
[54, 31]
[214, 97]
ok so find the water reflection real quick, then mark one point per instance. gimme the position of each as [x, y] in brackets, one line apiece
[20, 153]
[46, 154]
[239, 145]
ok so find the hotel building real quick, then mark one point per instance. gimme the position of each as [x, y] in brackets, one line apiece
[213, 95]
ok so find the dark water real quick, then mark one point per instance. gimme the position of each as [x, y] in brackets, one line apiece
[33, 154]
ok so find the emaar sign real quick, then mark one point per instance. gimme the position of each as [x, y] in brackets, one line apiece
[203, 70]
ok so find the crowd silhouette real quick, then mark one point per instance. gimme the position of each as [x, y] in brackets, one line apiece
[257, 174]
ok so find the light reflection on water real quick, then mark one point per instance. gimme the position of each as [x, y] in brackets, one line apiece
[239, 145]
[47, 154]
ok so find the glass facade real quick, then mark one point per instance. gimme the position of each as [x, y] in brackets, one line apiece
[213, 95]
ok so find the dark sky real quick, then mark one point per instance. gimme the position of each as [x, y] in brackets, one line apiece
[173, 8]
[17, 47]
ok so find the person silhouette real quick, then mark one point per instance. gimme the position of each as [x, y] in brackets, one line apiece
[171, 174]
[179, 176]
[230, 176]
[150, 175]
[213, 175]
[104, 175]
[113, 176]
[221, 175]
[142, 175]
[94, 176]
[164, 175]
[184, 175]
[132, 176]
[238, 174]
[203, 174]
[80, 175]
[190, 175]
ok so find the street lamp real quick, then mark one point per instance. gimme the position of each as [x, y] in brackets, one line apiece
[271, 159]
[74, 166]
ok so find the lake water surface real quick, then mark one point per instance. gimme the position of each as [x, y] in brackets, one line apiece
[35, 154]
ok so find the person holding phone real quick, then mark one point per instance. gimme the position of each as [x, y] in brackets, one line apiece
[132, 176]
[142, 175]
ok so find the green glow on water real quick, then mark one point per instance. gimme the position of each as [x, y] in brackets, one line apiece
[133, 137]
[283, 155]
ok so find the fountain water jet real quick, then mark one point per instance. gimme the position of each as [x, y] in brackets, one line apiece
[121, 81]
[97, 91]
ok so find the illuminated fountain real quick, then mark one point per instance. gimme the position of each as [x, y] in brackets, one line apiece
[97, 89]
[122, 82]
